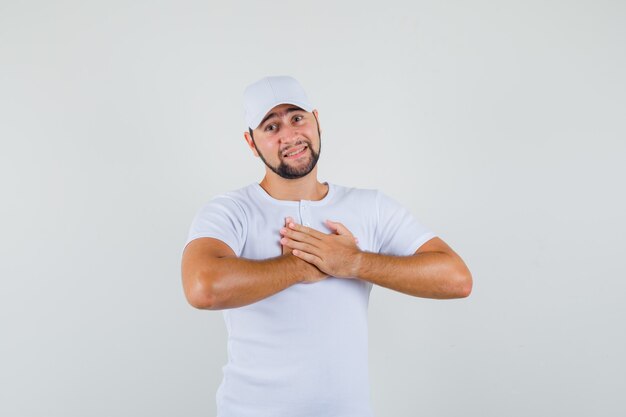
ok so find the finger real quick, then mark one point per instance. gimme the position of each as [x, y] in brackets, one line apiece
[300, 236]
[338, 227]
[331, 226]
[309, 231]
[310, 258]
[300, 245]
[284, 248]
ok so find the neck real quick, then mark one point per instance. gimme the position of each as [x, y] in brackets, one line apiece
[305, 188]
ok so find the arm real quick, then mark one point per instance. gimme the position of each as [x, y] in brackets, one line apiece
[215, 279]
[434, 271]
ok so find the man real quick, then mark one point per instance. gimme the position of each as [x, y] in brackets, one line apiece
[292, 261]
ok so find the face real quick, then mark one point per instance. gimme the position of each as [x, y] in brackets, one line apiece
[287, 140]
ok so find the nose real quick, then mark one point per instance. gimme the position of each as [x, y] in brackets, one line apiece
[289, 134]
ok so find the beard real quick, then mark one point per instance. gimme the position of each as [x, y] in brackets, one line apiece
[287, 171]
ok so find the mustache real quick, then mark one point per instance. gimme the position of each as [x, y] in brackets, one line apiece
[300, 142]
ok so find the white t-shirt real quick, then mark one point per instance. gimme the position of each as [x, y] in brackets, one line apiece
[302, 352]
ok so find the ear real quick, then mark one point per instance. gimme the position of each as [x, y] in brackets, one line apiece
[248, 138]
[317, 117]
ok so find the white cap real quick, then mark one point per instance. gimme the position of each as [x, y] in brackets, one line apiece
[261, 96]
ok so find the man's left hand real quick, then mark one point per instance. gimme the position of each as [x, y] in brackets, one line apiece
[335, 254]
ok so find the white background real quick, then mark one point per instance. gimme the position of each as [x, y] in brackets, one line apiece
[500, 125]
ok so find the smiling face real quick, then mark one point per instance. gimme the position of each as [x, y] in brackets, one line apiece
[288, 140]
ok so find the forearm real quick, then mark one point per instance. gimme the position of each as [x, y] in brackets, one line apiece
[427, 275]
[235, 282]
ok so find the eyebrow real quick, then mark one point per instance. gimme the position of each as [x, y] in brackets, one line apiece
[273, 114]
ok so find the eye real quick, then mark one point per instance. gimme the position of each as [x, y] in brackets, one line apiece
[268, 127]
[299, 117]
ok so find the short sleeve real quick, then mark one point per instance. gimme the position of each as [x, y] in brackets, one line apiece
[221, 218]
[398, 232]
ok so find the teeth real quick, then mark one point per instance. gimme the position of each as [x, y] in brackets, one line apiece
[295, 152]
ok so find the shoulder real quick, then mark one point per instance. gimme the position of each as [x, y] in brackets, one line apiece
[241, 194]
[364, 195]
[233, 201]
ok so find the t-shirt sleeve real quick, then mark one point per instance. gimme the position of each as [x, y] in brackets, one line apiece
[398, 232]
[221, 218]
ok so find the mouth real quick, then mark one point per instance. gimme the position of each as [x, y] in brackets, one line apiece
[296, 152]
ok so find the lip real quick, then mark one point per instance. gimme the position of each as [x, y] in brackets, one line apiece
[302, 152]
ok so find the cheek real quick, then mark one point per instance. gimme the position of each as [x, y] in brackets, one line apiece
[273, 147]
[269, 148]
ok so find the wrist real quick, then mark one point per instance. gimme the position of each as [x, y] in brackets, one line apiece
[300, 267]
[357, 264]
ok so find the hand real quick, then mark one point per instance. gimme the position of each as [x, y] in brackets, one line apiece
[336, 254]
[315, 274]
[286, 249]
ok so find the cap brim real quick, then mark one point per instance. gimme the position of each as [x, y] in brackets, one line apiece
[256, 121]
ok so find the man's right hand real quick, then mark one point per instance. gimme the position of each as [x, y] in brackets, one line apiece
[313, 273]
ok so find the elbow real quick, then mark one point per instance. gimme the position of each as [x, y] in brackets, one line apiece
[200, 301]
[464, 285]
[199, 292]
[463, 282]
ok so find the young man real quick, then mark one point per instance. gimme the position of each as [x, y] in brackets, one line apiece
[292, 261]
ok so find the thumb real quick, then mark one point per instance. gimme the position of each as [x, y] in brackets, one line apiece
[339, 228]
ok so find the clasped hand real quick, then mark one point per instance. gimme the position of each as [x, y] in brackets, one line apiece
[335, 254]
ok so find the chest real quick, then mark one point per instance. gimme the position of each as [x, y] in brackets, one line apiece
[263, 237]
